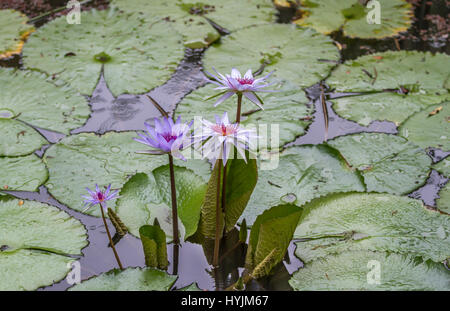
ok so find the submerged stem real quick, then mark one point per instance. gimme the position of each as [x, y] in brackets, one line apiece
[218, 211]
[176, 239]
[110, 239]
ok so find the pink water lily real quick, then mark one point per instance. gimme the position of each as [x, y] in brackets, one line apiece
[236, 84]
[99, 197]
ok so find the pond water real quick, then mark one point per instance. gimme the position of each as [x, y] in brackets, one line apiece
[128, 112]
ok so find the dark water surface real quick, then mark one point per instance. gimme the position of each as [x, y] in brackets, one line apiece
[129, 112]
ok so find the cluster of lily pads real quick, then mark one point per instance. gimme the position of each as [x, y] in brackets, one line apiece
[343, 201]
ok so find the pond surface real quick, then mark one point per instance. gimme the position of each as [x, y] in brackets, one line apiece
[129, 112]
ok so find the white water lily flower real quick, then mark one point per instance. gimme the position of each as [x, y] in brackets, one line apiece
[219, 138]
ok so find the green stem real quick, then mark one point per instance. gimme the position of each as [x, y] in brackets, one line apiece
[218, 211]
[110, 239]
[176, 238]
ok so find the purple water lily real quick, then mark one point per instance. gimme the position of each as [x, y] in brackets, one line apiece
[98, 196]
[236, 84]
[166, 137]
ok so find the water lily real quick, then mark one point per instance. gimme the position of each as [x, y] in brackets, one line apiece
[220, 137]
[236, 84]
[99, 197]
[166, 137]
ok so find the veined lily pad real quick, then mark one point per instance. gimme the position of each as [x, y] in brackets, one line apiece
[33, 98]
[14, 32]
[387, 163]
[300, 56]
[443, 203]
[429, 128]
[18, 138]
[189, 17]
[147, 196]
[301, 174]
[443, 167]
[131, 279]
[376, 222]
[358, 271]
[135, 55]
[327, 16]
[414, 80]
[24, 173]
[36, 240]
[86, 159]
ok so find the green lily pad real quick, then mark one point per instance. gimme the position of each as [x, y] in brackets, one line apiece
[387, 163]
[429, 128]
[14, 31]
[443, 167]
[130, 279]
[86, 159]
[25, 173]
[18, 138]
[135, 55]
[300, 56]
[327, 16]
[286, 114]
[189, 17]
[376, 222]
[33, 98]
[300, 175]
[190, 288]
[36, 240]
[147, 196]
[443, 203]
[357, 271]
[421, 76]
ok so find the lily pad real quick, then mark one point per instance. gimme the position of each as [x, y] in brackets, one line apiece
[24, 173]
[147, 196]
[286, 114]
[135, 55]
[35, 99]
[189, 17]
[300, 56]
[357, 271]
[36, 241]
[18, 138]
[429, 128]
[404, 82]
[443, 167]
[300, 175]
[327, 16]
[376, 222]
[14, 32]
[387, 163]
[130, 279]
[443, 203]
[86, 159]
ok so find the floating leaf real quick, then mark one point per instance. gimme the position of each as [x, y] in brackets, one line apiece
[190, 288]
[25, 173]
[34, 99]
[429, 128]
[270, 237]
[414, 81]
[35, 241]
[86, 159]
[18, 139]
[135, 55]
[286, 114]
[14, 32]
[299, 175]
[443, 203]
[386, 162]
[241, 180]
[329, 15]
[376, 222]
[154, 244]
[130, 279]
[443, 167]
[355, 271]
[147, 196]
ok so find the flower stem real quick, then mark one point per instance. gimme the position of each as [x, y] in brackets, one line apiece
[238, 111]
[110, 240]
[175, 256]
[176, 239]
[218, 211]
